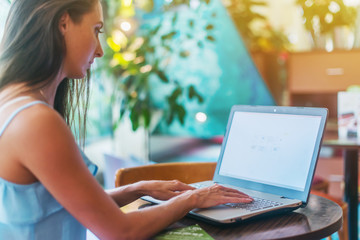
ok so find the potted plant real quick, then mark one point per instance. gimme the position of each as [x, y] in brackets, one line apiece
[327, 21]
[135, 57]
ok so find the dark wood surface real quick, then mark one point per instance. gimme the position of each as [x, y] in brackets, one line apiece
[344, 144]
[319, 219]
[351, 157]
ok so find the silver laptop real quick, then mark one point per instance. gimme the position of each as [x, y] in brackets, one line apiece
[269, 153]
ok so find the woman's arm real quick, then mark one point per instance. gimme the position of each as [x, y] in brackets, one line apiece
[125, 194]
[162, 190]
[46, 148]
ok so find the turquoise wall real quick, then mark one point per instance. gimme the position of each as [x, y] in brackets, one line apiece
[222, 72]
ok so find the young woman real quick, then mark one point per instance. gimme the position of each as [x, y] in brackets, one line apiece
[46, 188]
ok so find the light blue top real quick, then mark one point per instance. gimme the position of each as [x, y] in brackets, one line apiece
[30, 212]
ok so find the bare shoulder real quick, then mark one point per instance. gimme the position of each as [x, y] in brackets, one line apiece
[35, 140]
[37, 121]
[40, 133]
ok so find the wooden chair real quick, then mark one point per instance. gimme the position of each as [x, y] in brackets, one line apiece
[190, 172]
[187, 172]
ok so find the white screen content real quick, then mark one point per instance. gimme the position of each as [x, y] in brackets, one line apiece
[274, 149]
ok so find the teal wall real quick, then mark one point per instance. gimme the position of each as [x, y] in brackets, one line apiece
[222, 72]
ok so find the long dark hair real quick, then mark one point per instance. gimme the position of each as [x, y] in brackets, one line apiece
[33, 48]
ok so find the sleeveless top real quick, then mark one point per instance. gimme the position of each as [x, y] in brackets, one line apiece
[29, 211]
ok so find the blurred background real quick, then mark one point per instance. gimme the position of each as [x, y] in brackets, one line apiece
[172, 69]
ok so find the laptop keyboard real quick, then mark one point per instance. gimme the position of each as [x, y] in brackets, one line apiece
[257, 204]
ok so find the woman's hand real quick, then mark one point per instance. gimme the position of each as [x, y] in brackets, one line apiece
[216, 195]
[163, 190]
[202, 198]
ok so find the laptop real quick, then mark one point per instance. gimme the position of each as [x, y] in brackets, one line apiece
[269, 153]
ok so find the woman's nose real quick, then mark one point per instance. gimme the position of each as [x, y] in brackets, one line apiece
[99, 51]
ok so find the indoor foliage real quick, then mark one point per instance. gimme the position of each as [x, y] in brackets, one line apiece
[138, 50]
[323, 17]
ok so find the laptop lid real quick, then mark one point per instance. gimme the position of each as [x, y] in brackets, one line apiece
[272, 149]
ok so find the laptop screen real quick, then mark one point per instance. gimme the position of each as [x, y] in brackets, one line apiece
[274, 146]
[274, 149]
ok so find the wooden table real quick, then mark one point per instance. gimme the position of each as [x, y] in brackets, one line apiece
[318, 220]
[351, 156]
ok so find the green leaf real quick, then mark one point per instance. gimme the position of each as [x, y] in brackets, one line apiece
[155, 30]
[122, 112]
[175, 94]
[210, 38]
[168, 36]
[116, 124]
[184, 54]
[194, 94]
[191, 92]
[134, 118]
[170, 119]
[162, 76]
[209, 27]
[181, 113]
[146, 116]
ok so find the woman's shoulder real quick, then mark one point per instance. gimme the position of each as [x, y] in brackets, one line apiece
[36, 124]
[38, 110]
[32, 114]
[40, 118]
[30, 133]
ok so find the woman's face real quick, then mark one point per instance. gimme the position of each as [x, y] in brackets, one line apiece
[82, 42]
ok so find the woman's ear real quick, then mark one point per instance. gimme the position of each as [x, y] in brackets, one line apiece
[64, 23]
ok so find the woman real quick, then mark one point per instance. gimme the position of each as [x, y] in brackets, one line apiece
[46, 188]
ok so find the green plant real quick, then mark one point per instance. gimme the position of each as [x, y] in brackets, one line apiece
[262, 37]
[322, 17]
[132, 60]
[244, 16]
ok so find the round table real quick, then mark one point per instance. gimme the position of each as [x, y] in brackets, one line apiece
[319, 219]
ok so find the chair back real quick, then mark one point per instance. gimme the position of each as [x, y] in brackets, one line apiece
[187, 172]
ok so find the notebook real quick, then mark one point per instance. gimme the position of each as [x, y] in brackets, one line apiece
[269, 153]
